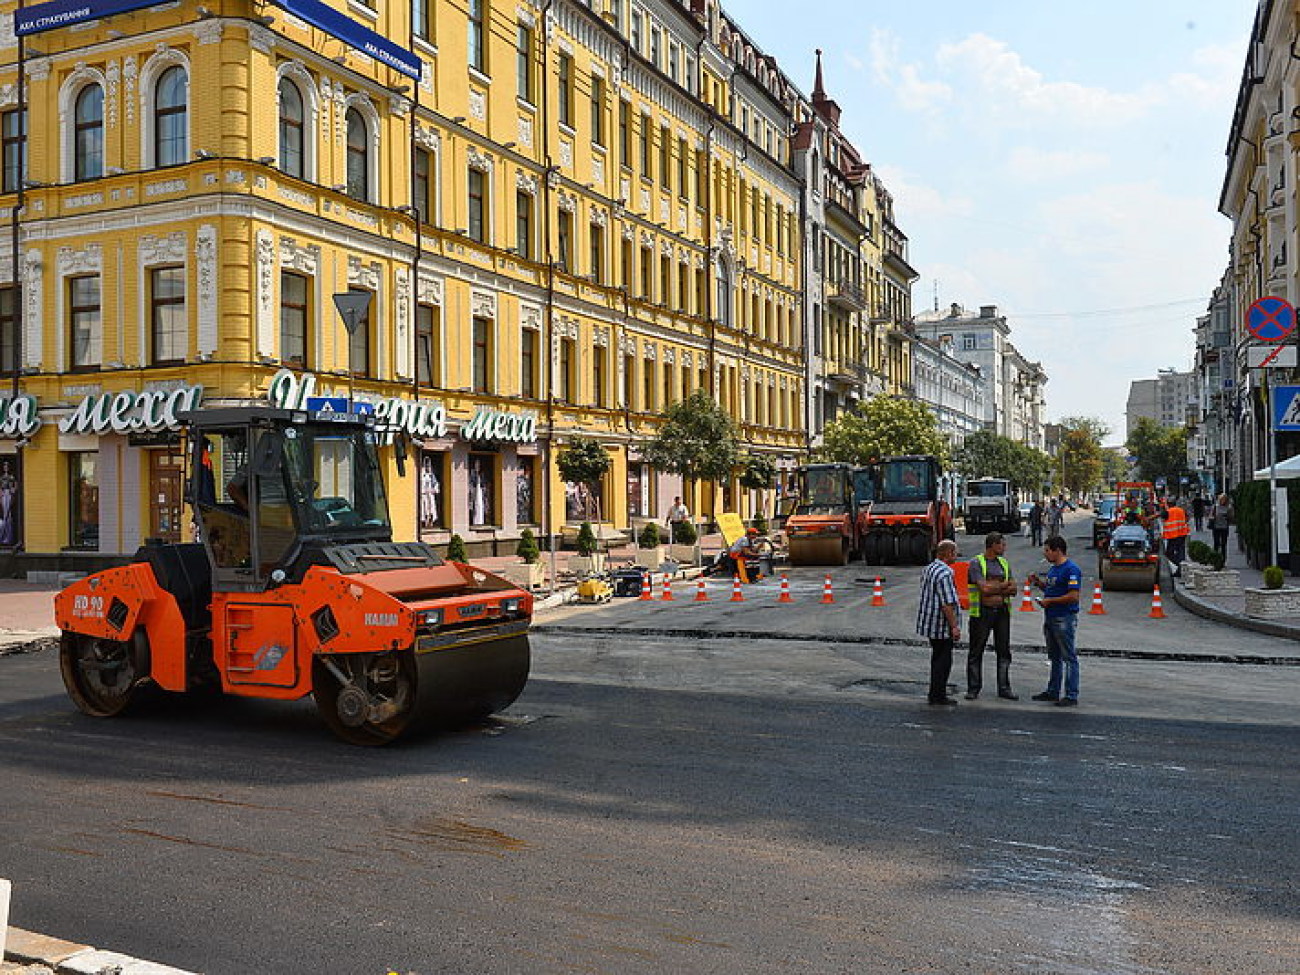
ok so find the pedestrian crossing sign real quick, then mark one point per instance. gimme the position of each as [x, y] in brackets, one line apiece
[1286, 408]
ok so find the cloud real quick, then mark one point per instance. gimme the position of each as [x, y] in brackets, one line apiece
[914, 93]
[1032, 164]
[919, 200]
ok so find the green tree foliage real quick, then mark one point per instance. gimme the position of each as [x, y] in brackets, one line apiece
[1114, 465]
[527, 548]
[649, 537]
[456, 550]
[583, 461]
[1080, 457]
[586, 542]
[697, 440]
[881, 427]
[757, 472]
[987, 454]
[1160, 451]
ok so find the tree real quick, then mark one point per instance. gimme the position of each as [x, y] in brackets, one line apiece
[758, 473]
[1114, 464]
[584, 461]
[988, 454]
[1080, 456]
[1161, 452]
[881, 427]
[698, 440]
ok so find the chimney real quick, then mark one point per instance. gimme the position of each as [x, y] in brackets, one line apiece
[955, 311]
[988, 311]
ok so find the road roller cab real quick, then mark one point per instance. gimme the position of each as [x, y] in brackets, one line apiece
[297, 588]
[910, 514]
[820, 531]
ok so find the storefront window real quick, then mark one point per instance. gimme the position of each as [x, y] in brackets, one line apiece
[580, 503]
[525, 491]
[11, 507]
[83, 491]
[482, 490]
[432, 511]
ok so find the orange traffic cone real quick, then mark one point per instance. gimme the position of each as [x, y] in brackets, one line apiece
[827, 595]
[878, 594]
[667, 596]
[736, 595]
[1097, 608]
[647, 594]
[1026, 600]
[701, 595]
[1157, 611]
[785, 590]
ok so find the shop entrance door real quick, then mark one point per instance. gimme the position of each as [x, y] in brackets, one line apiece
[165, 495]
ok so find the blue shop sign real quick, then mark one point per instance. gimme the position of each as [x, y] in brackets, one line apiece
[362, 38]
[64, 13]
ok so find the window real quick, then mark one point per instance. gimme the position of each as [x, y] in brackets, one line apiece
[665, 158]
[629, 380]
[564, 240]
[421, 198]
[968, 343]
[481, 473]
[645, 146]
[433, 472]
[167, 313]
[565, 94]
[292, 158]
[476, 226]
[625, 259]
[422, 19]
[293, 319]
[638, 27]
[528, 345]
[598, 110]
[428, 346]
[13, 137]
[647, 274]
[88, 133]
[478, 35]
[701, 177]
[358, 160]
[656, 38]
[683, 169]
[648, 385]
[83, 306]
[525, 491]
[8, 331]
[565, 380]
[599, 356]
[723, 311]
[524, 63]
[481, 356]
[625, 134]
[83, 497]
[359, 340]
[171, 118]
[665, 279]
[683, 289]
[597, 233]
[674, 71]
[524, 225]
[670, 394]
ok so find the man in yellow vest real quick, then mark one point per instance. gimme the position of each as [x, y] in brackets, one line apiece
[991, 585]
[1176, 531]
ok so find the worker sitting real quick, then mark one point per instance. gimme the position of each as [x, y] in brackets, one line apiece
[743, 557]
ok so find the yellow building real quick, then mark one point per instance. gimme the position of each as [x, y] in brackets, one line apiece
[563, 222]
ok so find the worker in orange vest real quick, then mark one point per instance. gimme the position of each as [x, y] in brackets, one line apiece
[1175, 533]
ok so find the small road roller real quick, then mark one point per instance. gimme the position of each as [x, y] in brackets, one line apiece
[296, 587]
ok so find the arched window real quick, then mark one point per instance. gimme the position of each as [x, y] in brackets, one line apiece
[88, 147]
[292, 160]
[358, 156]
[171, 118]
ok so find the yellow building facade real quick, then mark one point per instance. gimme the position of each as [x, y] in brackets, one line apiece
[574, 217]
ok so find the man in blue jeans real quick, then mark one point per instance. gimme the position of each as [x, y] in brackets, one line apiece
[1060, 602]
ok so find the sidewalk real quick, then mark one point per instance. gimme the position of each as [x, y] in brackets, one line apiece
[1232, 609]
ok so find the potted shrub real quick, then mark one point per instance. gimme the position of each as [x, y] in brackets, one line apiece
[1214, 580]
[1274, 599]
[649, 552]
[684, 541]
[529, 573]
[456, 550]
[589, 559]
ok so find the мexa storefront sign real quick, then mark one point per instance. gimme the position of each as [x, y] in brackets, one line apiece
[152, 410]
[19, 416]
[490, 424]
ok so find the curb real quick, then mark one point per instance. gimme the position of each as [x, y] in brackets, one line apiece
[1194, 604]
[70, 958]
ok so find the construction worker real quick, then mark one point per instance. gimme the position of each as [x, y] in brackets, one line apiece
[741, 551]
[991, 585]
[1175, 534]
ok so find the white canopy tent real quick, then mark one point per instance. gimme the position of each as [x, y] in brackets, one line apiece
[1285, 469]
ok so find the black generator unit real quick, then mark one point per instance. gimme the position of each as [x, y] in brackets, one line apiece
[628, 582]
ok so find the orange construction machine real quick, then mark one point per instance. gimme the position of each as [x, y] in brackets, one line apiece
[297, 588]
[821, 529]
[908, 515]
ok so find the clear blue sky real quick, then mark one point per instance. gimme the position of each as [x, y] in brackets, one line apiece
[1062, 161]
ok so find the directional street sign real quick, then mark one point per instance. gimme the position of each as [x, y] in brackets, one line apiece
[1270, 319]
[1271, 356]
[327, 404]
[1286, 408]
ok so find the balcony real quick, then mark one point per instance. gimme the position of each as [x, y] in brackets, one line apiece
[849, 297]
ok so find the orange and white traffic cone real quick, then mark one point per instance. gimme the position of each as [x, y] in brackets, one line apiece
[1026, 600]
[878, 594]
[701, 595]
[1157, 610]
[647, 593]
[1097, 608]
[667, 596]
[785, 590]
[736, 595]
[827, 595]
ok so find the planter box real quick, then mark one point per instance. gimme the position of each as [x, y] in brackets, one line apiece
[585, 565]
[1226, 582]
[1190, 573]
[526, 576]
[684, 554]
[1271, 604]
[650, 557]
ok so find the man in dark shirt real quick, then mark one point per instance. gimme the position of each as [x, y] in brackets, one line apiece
[1060, 602]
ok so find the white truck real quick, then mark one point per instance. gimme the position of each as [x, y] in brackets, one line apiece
[991, 505]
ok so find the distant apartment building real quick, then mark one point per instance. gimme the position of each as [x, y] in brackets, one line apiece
[953, 389]
[1170, 399]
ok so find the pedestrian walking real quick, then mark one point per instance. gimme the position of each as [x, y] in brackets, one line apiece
[937, 619]
[1056, 517]
[1036, 515]
[1221, 518]
[677, 515]
[991, 585]
[1060, 603]
[1198, 511]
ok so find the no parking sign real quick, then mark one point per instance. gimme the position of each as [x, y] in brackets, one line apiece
[1270, 319]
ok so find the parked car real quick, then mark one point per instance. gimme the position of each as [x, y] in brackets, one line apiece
[1103, 517]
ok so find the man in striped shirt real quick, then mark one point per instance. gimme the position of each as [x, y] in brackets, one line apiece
[937, 618]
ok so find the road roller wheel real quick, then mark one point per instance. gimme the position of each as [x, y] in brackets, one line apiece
[844, 551]
[366, 698]
[103, 677]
